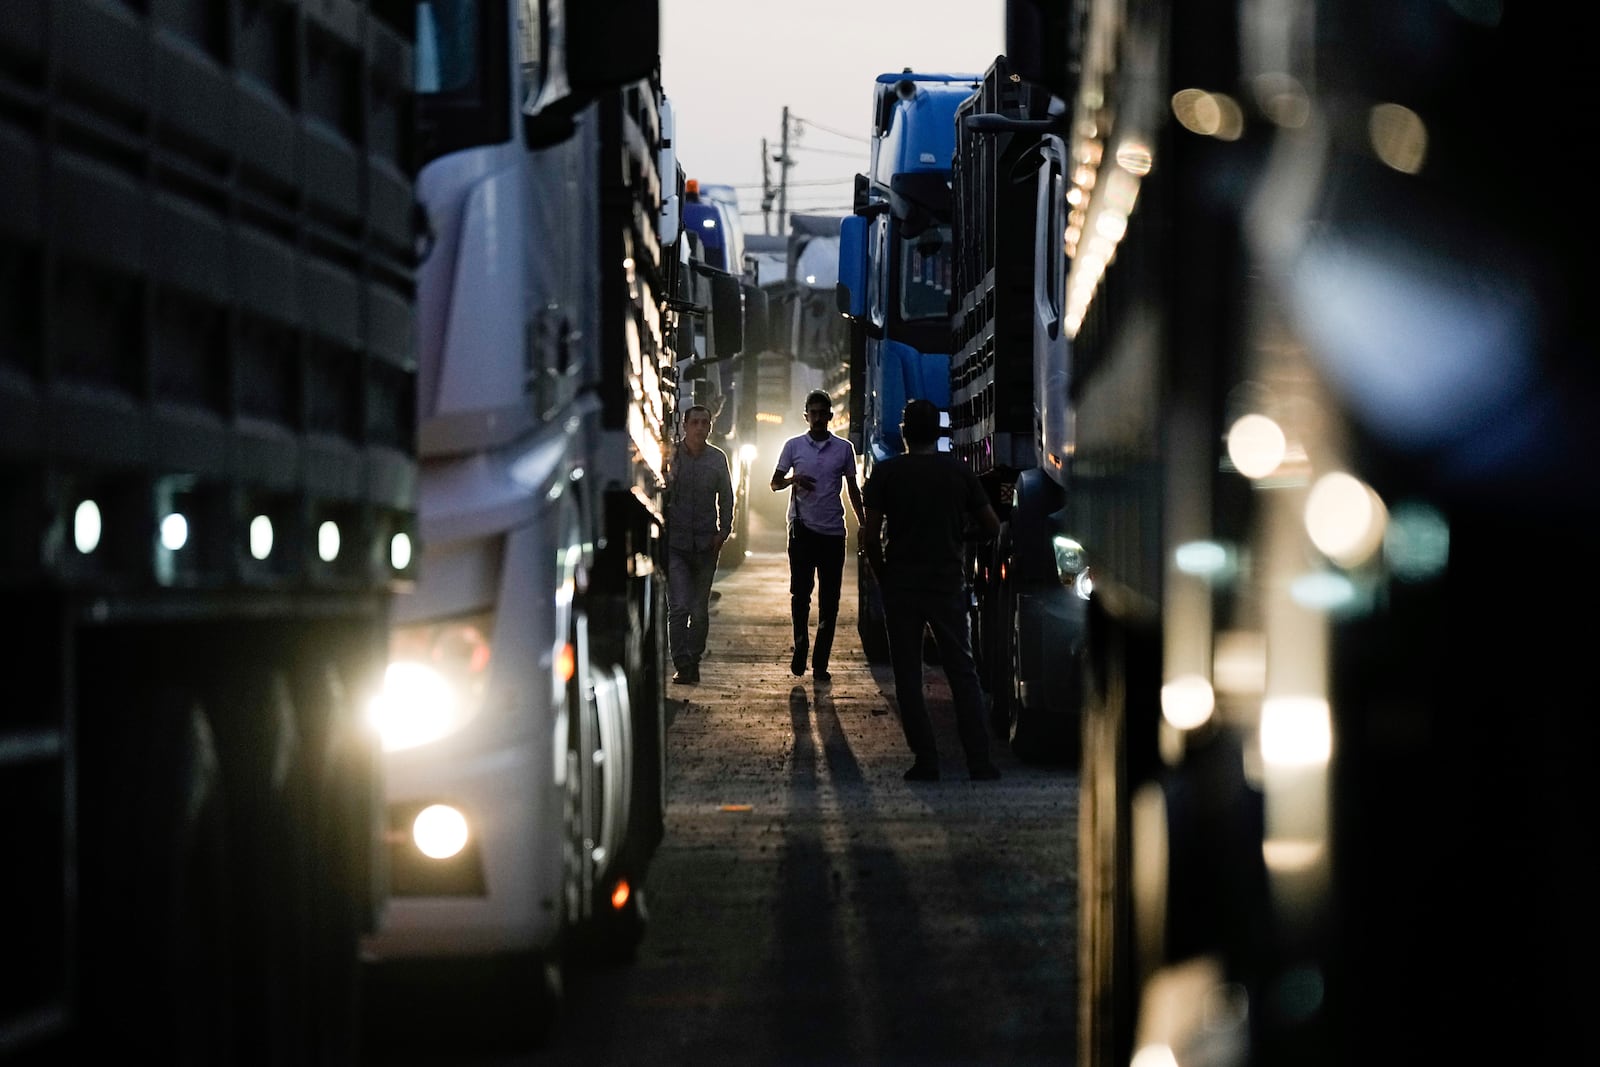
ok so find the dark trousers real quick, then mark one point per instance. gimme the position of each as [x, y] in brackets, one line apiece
[907, 612]
[819, 559]
[689, 575]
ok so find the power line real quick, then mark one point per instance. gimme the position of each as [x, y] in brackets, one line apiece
[825, 151]
[830, 129]
[809, 181]
[807, 209]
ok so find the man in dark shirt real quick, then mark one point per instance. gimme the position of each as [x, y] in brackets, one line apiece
[699, 518]
[926, 498]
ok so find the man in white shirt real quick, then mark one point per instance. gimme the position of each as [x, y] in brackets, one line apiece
[816, 466]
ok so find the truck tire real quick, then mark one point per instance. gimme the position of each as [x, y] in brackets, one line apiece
[270, 822]
[1119, 723]
[1107, 989]
[869, 618]
[156, 881]
[612, 935]
[343, 903]
[994, 640]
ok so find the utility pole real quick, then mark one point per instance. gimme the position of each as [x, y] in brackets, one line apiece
[767, 191]
[783, 176]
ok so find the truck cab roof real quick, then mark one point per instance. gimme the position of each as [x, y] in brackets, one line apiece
[914, 121]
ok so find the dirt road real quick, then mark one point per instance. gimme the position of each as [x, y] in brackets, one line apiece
[808, 906]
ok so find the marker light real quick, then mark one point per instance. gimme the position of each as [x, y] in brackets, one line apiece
[400, 551]
[174, 532]
[86, 527]
[328, 541]
[260, 537]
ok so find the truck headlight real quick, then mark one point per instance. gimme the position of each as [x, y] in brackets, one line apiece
[1072, 568]
[434, 684]
[1069, 558]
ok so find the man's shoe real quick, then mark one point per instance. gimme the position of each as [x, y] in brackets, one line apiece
[797, 663]
[821, 674]
[988, 772]
[687, 674]
[923, 772]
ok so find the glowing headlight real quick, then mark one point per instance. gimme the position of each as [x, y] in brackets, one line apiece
[439, 831]
[434, 684]
[1069, 558]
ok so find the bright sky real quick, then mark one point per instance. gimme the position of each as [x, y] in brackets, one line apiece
[731, 66]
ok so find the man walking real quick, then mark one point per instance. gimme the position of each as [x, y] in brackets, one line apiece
[699, 517]
[815, 466]
[926, 498]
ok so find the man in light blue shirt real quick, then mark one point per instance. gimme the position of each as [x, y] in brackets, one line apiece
[815, 466]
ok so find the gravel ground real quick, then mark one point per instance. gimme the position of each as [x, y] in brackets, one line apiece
[808, 906]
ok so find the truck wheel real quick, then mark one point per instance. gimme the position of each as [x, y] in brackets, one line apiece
[156, 914]
[1043, 733]
[255, 719]
[1106, 985]
[869, 619]
[997, 646]
[341, 904]
[634, 750]
[613, 932]
[574, 861]
[596, 933]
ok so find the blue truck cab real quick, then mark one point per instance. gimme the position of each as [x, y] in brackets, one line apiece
[895, 264]
[896, 278]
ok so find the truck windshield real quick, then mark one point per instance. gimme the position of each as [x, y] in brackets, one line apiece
[447, 45]
[925, 275]
[463, 97]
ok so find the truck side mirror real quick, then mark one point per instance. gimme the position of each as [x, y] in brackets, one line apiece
[599, 58]
[727, 316]
[757, 323]
[852, 288]
[595, 59]
[670, 225]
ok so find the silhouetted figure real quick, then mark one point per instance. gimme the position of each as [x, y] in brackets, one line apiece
[918, 508]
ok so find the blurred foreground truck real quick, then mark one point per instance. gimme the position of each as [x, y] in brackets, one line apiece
[207, 478]
[524, 719]
[720, 334]
[1337, 412]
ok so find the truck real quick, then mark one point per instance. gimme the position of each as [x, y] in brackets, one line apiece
[207, 467]
[895, 280]
[723, 335]
[1332, 381]
[523, 716]
[808, 341]
[1011, 416]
